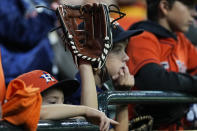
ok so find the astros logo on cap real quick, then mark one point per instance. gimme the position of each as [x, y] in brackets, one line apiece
[47, 77]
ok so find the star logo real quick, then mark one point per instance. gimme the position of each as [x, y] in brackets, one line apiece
[47, 77]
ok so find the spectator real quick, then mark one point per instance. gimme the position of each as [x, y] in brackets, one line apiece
[23, 37]
[162, 58]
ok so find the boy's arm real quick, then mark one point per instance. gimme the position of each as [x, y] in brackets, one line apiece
[122, 118]
[123, 81]
[63, 111]
[88, 91]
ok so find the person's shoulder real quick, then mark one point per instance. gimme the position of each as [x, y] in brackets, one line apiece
[146, 39]
[150, 29]
[146, 35]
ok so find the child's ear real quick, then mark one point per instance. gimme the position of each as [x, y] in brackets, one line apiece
[164, 7]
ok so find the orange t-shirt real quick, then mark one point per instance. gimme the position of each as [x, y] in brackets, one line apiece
[174, 55]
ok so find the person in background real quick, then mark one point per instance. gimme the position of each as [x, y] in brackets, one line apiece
[24, 39]
[162, 58]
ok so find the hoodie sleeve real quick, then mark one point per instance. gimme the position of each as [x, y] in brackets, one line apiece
[153, 77]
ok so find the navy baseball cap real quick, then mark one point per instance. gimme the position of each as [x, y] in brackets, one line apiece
[119, 34]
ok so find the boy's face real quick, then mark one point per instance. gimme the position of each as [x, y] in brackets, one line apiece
[180, 16]
[53, 96]
[117, 58]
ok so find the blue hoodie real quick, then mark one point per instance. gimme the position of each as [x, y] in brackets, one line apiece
[24, 41]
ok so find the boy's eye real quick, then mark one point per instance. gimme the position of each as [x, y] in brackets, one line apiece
[52, 102]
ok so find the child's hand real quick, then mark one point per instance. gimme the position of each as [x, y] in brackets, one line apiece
[123, 80]
[99, 118]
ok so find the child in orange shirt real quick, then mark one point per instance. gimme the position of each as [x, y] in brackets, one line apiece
[162, 58]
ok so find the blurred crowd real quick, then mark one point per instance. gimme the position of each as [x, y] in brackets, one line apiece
[26, 44]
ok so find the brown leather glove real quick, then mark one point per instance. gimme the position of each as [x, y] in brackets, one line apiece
[92, 42]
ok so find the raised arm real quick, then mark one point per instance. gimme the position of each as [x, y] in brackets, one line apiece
[123, 81]
[88, 92]
[122, 118]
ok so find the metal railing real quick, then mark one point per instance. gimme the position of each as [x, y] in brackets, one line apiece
[59, 125]
[150, 97]
[105, 99]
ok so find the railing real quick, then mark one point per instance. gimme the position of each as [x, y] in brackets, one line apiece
[105, 99]
[128, 97]
[60, 125]
[67, 125]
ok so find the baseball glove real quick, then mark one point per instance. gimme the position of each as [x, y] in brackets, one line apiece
[141, 123]
[92, 42]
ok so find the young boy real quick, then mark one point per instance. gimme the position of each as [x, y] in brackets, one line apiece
[162, 58]
[24, 101]
[116, 69]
